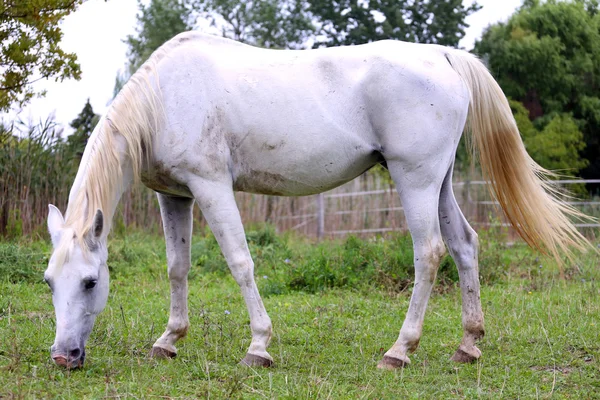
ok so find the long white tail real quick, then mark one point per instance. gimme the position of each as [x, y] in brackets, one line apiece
[520, 185]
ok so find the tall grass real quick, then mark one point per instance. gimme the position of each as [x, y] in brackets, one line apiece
[35, 169]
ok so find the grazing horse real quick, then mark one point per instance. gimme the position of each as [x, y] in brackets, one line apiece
[206, 116]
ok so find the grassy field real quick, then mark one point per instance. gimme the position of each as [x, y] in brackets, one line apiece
[336, 308]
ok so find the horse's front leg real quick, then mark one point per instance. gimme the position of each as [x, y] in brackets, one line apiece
[217, 202]
[176, 214]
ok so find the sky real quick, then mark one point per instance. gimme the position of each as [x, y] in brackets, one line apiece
[95, 32]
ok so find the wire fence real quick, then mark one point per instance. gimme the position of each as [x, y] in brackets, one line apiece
[362, 208]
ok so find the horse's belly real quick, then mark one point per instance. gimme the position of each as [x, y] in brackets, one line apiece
[276, 184]
[301, 179]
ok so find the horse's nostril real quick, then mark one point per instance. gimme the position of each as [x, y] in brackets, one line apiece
[74, 354]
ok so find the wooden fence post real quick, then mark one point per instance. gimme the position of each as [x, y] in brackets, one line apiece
[320, 216]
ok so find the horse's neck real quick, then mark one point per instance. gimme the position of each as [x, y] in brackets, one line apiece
[122, 186]
[116, 184]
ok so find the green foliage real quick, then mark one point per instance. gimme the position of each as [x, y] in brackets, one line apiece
[265, 23]
[284, 264]
[557, 145]
[385, 263]
[158, 21]
[383, 174]
[84, 125]
[30, 35]
[547, 56]
[207, 256]
[521, 115]
[293, 23]
[355, 22]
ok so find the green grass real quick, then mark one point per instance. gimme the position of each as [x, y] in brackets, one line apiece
[330, 328]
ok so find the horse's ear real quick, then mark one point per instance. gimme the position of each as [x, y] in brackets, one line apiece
[92, 236]
[98, 225]
[55, 224]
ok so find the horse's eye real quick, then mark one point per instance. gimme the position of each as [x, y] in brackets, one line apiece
[90, 284]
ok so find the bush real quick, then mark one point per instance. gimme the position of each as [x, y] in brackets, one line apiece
[383, 263]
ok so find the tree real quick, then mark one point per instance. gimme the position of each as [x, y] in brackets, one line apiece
[30, 36]
[158, 22]
[294, 23]
[557, 145]
[348, 22]
[264, 23]
[84, 125]
[547, 56]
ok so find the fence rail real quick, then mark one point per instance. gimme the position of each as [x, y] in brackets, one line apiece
[344, 211]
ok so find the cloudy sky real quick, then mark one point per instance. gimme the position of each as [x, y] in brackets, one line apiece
[95, 32]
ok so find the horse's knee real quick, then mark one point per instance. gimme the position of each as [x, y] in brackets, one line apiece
[428, 257]
[178, 269]
[242, 271]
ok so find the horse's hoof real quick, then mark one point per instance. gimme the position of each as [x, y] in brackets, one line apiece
[159, 352]
[393, 363]
[463, 356]
[252, 360]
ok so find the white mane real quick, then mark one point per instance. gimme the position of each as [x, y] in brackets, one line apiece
[135, 115]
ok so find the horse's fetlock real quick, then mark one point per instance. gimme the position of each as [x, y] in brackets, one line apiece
[180, 329]
[410, 339]
[477, 333]
[412, 346]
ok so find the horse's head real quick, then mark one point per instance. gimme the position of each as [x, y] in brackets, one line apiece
[78, 277]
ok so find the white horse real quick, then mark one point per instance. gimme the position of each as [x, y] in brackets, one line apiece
[206, 116]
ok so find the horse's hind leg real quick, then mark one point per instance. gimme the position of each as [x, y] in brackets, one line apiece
[419, 193]
[217, 202]
[462, 243]
[176, 214]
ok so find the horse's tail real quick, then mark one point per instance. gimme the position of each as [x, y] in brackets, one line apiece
[520, 185]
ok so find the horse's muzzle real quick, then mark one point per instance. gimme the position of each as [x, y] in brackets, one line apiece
[70, 362]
